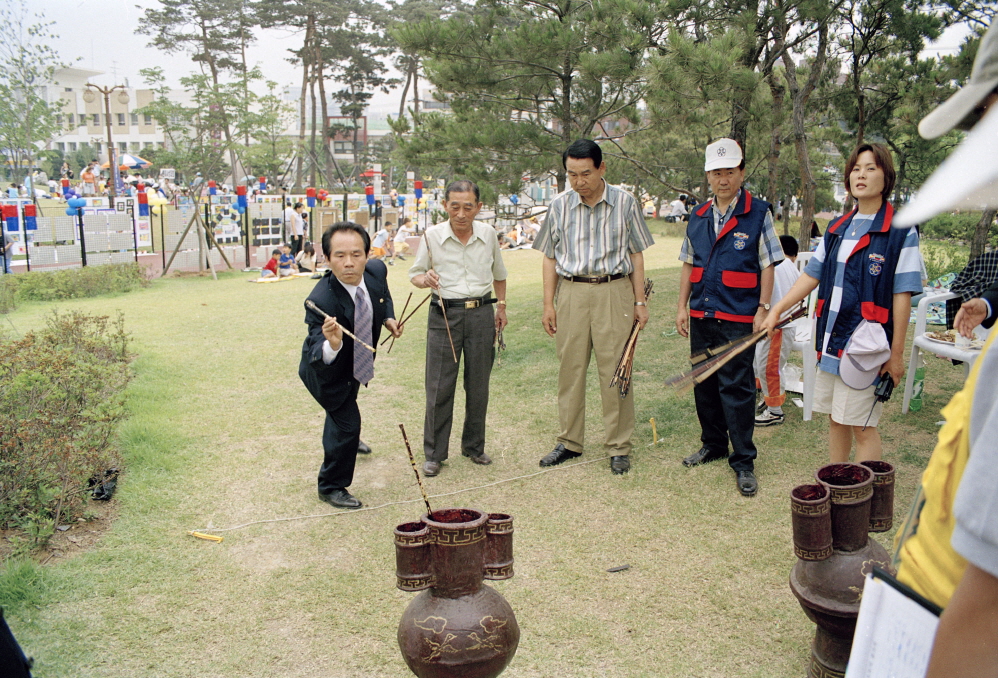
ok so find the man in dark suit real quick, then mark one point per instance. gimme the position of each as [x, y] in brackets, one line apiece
[355, 297]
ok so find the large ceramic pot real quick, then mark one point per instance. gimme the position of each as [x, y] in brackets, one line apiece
[457, 627]
[829, 589]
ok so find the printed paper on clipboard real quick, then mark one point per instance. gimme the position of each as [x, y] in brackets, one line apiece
[894, 631]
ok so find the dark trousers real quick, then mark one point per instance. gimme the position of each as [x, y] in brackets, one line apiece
[296, 243]
[726, 400]
[473, 330]
[340, 439]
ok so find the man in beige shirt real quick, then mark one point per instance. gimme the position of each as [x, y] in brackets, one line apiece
[460, 261]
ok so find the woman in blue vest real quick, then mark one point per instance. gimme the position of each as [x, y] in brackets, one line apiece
[865, 273]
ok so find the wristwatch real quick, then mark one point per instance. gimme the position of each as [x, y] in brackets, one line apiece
[501, 302]
[640, 303]
[765, 307]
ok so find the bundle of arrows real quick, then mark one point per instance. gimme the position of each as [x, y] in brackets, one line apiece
[622, 375]
[711, 360]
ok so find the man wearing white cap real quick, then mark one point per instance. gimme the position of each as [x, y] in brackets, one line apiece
[727, 281]
[948, 548]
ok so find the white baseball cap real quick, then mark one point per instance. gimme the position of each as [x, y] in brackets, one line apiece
[955, 111]
[864, 355]
[722, 154]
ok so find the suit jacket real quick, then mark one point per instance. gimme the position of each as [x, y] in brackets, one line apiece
[332, 384]
[991, 294]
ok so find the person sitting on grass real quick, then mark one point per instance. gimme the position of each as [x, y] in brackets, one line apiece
[286, 266]
[306, 259]
[270, 270]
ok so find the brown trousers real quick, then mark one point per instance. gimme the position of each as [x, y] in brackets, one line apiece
[593, 317]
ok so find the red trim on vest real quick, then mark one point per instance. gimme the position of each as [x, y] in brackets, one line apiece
[696, 275]
[748, 203]
[871, 311]
[834, 227]
[728, 227]
[721, 315]
[863, 242]
[888, 217]
[740, 279]
[818, 308]
[703, 210]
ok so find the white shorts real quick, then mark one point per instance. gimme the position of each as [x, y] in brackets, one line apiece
[847, 405]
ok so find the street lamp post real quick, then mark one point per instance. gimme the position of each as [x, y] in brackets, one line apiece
[90, 96]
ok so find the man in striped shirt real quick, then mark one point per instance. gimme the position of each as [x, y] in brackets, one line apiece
[592, 241]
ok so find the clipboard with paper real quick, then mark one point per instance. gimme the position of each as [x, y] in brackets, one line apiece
[894, 631]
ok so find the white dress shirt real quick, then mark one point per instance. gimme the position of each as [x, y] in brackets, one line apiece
[328, 352]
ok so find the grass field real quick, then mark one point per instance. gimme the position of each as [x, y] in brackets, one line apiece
[223, 433]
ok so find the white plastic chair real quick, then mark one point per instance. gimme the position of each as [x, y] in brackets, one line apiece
[804, 342]
[920, 343]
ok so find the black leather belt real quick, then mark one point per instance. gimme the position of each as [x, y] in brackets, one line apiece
[594, 279]
[473, 302]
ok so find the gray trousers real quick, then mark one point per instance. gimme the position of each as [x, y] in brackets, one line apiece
[473, 330]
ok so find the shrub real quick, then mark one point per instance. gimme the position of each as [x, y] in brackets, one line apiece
[71, 283]
[62, 397]
[951, 226]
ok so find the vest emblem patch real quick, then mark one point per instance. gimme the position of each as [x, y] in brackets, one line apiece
[740, 240]
[876, 263]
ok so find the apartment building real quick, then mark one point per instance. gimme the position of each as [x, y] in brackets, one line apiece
[83, 124]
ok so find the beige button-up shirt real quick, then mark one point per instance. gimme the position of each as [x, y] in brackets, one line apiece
[464, 270]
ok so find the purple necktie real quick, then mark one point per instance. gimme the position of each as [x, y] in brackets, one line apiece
[363, 359]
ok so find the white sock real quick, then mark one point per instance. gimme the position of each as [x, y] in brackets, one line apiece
[776, 410]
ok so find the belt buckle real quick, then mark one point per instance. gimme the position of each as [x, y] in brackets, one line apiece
[471, 303]
[596, 279]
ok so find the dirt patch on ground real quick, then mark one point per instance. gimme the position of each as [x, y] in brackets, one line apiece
[74, 539]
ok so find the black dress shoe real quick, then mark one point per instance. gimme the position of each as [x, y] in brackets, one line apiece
[341, 499]
[363, 448]
[702, 456]
[558, 455]
[620, 464]
[747, 484]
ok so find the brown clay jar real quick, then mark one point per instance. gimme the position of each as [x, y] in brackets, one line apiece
[882, 506]
[851, 489]
[811, 517]
[459, 627]
[499, 547]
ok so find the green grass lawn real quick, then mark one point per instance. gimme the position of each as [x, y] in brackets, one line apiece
[223, 433]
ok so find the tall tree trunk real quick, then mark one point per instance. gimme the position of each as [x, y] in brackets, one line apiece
[980, 238]
[776, 144]
[405, 91]
[313, 165]
[756, 42]
[327, 152]
[799, 95]
[305, 52]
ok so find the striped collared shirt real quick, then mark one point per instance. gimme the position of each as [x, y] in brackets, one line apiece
[596, 240]
[465, 271]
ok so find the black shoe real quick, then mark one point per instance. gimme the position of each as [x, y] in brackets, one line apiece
[747, 484]
[341, 499]
[558, 455]
[363, 448]
[431, 468]
[482, 459]
[620, 464]
[702, 456]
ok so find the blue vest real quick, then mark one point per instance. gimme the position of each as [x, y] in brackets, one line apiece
[868, 285]
[726, 275]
